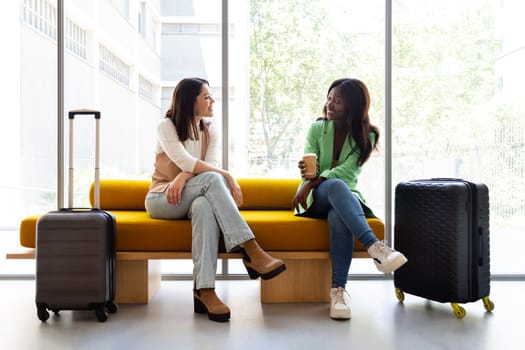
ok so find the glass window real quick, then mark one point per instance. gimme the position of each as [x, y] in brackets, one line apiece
[283, 56]
[458, 105]
[113, 66]
[101, 73]
[122, 7]
[190, 47]
[293, 50]
[457, 101]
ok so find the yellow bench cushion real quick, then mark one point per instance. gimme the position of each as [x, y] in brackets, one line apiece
[276, 230]
[266, 209]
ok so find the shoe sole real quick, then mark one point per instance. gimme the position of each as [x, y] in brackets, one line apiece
[393, 266]
[200, 308]
[265, 276]
[340, 315]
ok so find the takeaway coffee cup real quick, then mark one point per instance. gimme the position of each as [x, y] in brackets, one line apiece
[310, 163]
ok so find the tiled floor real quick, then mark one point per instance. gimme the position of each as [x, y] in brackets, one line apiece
[168, 322]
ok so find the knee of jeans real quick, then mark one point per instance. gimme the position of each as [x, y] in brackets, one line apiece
[337, 185]
[213, 178]
[155, 207]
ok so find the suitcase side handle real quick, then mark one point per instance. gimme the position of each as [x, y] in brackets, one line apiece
[481, 252]
[71, 116]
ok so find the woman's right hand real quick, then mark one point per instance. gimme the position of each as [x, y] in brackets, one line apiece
[302, 168]
[174, 190]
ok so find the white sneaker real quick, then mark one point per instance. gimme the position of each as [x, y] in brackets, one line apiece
[340, 304]
[387, 260]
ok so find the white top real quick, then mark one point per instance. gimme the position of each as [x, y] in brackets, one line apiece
[185, 154]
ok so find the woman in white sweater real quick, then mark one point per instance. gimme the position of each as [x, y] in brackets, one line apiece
[188, 183]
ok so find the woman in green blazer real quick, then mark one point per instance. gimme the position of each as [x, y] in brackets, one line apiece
[343, 141]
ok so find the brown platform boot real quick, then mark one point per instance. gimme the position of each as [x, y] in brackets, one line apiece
[259, 263]
[206, 301]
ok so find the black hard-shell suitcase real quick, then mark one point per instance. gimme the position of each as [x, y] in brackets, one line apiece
[442, 227]
[75, 251]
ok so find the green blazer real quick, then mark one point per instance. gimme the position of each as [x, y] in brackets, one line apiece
[320, 140]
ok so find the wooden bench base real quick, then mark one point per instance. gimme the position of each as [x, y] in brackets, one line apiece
[307, 278]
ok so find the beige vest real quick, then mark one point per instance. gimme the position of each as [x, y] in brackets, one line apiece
[166, 170]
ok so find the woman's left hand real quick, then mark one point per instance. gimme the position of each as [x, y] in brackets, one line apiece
[300, 196]
[302, 193]
[235, 189]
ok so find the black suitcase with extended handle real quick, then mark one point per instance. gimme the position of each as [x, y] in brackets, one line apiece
[75, 251]
[442, 226]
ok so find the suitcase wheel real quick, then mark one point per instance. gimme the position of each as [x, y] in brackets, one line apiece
[101, 313]
[42, 312]
[489, 305]
[111, 307]
[459, 311]
[400, 295]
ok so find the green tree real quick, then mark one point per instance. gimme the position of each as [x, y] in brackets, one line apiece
[443, 71]
[288, 65]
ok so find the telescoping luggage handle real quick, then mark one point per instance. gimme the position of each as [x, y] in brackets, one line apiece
[96, 114]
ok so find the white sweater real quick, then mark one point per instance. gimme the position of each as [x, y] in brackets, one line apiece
[185, 154]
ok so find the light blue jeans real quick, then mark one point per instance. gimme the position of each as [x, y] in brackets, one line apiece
[207, 201]
[334, 200]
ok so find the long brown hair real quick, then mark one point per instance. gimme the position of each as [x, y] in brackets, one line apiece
[356, 119]
[182, 109]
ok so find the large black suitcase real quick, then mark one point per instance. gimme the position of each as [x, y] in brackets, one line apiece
[75, 251]
[442, 227]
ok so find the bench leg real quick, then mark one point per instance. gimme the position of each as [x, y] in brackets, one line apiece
[304, 281]
[137, 281]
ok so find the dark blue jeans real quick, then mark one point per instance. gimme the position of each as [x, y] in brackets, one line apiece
[346, 219]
